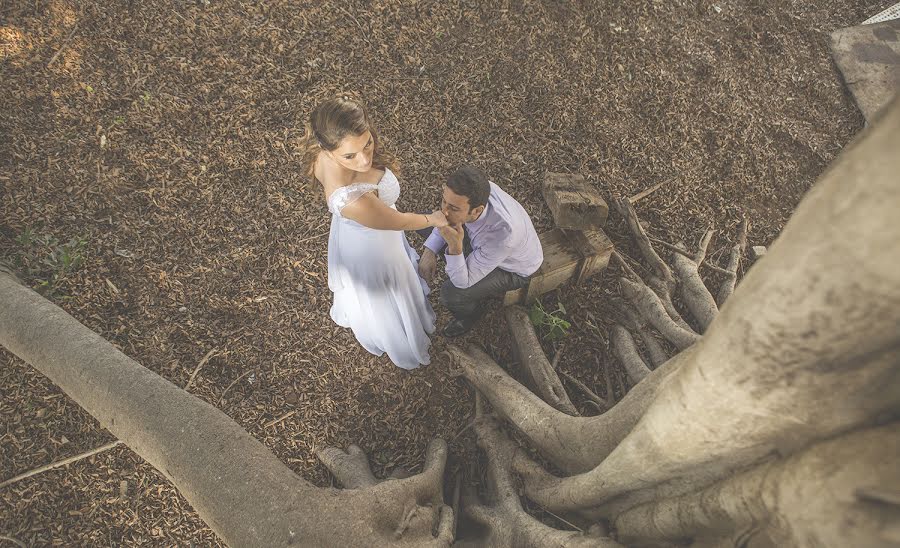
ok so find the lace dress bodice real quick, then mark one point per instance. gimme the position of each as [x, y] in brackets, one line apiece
[388, 189]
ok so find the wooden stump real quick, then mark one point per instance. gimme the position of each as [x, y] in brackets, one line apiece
[573, 203]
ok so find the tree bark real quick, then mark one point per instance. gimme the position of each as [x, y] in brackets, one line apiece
[239, 488]
[808, 499]
[655, 351]
[734, 261]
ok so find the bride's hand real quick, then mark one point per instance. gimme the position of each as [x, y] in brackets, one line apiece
[437, 218]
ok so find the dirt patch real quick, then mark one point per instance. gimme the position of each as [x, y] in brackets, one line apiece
[163, 136]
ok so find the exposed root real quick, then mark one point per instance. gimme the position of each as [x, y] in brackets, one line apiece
[661, 290]
[703, 246]
[600, 403]
[557, 436]
[652, 309]
[538, 370]
[552, 432]
[505, 520]
[694, 292]
[655, 350]
[626, 210]
[350, 468]
[737, 251]
[624, 348]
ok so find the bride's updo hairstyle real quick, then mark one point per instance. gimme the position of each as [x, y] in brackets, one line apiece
[332, 121]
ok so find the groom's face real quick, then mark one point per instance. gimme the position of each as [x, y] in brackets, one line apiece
[456, 208]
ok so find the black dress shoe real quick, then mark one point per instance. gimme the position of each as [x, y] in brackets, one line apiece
[458, 327]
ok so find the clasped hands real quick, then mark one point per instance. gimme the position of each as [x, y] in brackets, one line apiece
[453, 235]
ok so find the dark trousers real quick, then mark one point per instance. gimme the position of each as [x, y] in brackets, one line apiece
[468, 303]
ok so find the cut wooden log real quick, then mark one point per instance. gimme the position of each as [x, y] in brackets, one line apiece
[574, 204]
[568, 255]
[595, 249]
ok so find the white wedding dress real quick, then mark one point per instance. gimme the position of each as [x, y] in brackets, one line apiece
[374, 277]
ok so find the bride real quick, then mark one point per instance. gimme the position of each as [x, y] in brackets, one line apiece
[372, 270]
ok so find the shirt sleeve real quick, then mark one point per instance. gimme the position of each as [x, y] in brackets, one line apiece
[468, 271]
[435, 242]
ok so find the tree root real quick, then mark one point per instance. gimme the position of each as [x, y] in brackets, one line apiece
[694, 292]
[651, 309]
[547, 428]
[687, 432]
[737, 251]
[600, 403]
[635, 324]
[350, 468]
[622, 345]
[505, 521]
[626, 210]
[574, 444]
[246, 495]
[538, 370]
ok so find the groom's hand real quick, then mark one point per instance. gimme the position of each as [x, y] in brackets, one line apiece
[428, 265]
[453, 235]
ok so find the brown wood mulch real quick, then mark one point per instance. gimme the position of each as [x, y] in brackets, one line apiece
[164, 135]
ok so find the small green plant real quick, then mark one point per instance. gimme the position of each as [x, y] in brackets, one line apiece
[551, 324]
[46, 261]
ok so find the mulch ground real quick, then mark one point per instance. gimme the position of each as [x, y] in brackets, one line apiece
[163, 135]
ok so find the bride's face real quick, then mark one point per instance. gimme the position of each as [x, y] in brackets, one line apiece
[355, 152]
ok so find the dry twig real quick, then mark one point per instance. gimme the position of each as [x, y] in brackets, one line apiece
[64, 45]
[59, 463]
[644, 193]
[187, 387]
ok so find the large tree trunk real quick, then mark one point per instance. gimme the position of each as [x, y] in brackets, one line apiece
[245, 494]
[826, 495]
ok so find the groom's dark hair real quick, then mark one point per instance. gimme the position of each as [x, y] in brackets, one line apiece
[472, 183]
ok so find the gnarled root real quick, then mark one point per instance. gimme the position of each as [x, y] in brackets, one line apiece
[626, 210]
[574, 444]
[694, 292]
[412, 506]
[635, 324]
[246, 495]
[505, 521]
[624, 348]
[538, 370]
[727, 287]
[652, 309]
[350, 468]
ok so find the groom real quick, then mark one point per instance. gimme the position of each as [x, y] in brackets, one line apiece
[490, 247]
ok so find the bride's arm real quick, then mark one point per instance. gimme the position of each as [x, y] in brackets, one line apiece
[371, 212]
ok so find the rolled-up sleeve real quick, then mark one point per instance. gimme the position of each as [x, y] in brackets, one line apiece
[491, 251]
